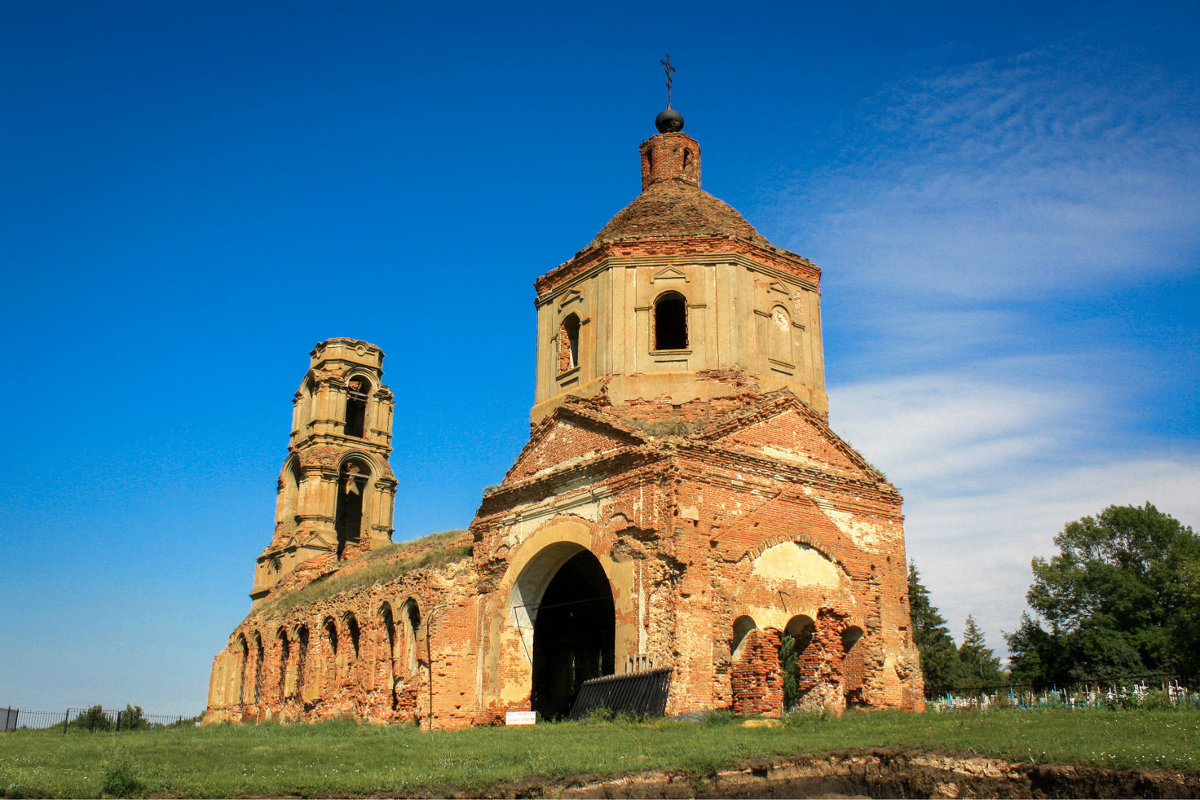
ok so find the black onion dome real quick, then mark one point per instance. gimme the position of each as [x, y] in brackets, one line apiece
[669, 121]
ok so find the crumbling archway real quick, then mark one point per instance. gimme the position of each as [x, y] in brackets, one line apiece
[563, 605]
[351, 506]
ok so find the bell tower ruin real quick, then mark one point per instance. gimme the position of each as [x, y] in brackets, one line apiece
[336, 489]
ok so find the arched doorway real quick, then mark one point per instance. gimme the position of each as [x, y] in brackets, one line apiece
[573, 634]
[348, 519]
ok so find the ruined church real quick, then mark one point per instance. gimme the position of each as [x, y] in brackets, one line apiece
[681, 508]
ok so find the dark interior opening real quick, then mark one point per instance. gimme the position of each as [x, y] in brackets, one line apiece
[348, 522]
[572, 636]
[301, 660]
[356, 406]
[670, 322]
[285, 650]
[352, 631]
[258, 667]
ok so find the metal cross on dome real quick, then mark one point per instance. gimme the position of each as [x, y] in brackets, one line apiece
[667, 69]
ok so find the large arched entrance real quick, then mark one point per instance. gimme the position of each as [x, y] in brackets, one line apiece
[572, 634]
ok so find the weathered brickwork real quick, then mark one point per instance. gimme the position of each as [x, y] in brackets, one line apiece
[686, 508]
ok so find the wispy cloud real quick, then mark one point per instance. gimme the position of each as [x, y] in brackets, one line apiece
[1012, 178]
[982, 204]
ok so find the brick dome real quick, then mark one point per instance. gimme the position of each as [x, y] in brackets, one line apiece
[673, 208]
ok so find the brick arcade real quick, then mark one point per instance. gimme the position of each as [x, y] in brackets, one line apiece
[681, 503]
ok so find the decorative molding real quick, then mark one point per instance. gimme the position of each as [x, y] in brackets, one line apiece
[694, 260]
[570, 296]
[670, 274]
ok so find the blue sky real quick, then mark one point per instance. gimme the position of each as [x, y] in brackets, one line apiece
[1005, 200]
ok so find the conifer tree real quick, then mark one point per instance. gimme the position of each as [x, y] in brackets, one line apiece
[939, 655]
[979, 665]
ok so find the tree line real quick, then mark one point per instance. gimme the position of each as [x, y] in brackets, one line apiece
[1121, 597]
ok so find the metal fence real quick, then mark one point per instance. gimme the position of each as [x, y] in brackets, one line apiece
[1132, 691]
[87, 719]
[641, 693]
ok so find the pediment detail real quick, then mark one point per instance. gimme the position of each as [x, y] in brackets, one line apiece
[789, 431]
[570, 296]
[669, 274]
[779, 286]
[565, 440]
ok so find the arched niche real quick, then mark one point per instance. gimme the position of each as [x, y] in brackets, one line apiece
[854, 665]
[410, 620]
[741, 628]
[779, 336]
[568, 343]
[284, 644]
[290, 478]
[242, 650]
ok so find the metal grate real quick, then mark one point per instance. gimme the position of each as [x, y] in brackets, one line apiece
[642, 693]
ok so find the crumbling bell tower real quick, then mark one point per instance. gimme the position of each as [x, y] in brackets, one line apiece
[336, 489]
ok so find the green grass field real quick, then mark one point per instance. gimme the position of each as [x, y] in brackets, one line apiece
[347, 758]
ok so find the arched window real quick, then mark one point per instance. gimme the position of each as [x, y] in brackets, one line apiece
[670, 322]
[243, 652]
[357, 389]
[352, 487]
[412, 615]
[388, 627]
[330, 664]
[285, 652]
[310, 389]
[301, 660]
[258, 667]
[568, 343]
[352, 631]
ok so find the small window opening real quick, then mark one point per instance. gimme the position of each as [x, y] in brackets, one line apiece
[414, 621]
[687, 157]
[352, 630]
[301, 659]
[331, 636]
[285, 651]
[258, 667]
[670, 322]
[568, 343]
[356, 406]
[389, 628]
[352, 485]
[244, 653]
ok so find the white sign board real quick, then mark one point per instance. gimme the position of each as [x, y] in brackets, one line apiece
[520, 717]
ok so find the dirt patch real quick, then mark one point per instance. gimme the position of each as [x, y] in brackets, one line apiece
[876, 772]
